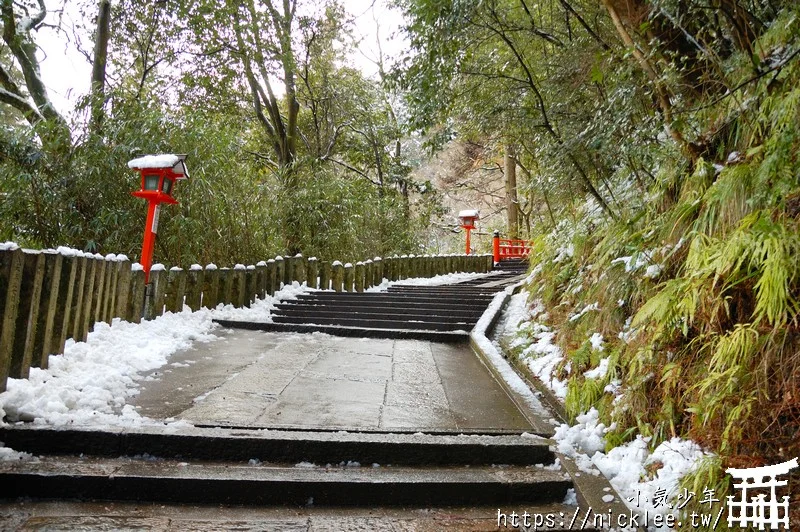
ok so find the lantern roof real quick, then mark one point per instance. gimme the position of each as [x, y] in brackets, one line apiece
[469, 213]
[176, 163]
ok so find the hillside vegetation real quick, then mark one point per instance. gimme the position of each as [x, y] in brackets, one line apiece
[660, 145]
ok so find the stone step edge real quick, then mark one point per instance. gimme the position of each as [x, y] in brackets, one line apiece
[173, 481]
[352, 332]
[281, 446]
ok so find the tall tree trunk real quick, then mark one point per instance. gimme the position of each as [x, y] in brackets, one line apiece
[689, 149]
[512, 201]
[103, 33]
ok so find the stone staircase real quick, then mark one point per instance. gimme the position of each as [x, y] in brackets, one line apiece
[471, 475]
[433, 313]
[272, 467]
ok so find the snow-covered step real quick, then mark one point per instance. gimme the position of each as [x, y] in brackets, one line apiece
[281, 445]
[378, 321]
[410, 333]
[402, 313]
[445, 313]
[179, 481]
[433, 306]
[391, 298]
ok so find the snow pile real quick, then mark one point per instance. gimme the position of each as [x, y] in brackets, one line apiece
[90, 383]
[597, 342]
[493, 356]
[543, 356]
[438, 280]
[8, 246]
[166, 160]
[10, 455]
[600, 371]
[261, 310]
[626, 466]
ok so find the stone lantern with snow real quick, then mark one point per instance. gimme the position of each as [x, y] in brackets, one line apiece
[468, 219]
[159, 174]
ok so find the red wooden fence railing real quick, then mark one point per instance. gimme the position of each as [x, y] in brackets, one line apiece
[503, 248]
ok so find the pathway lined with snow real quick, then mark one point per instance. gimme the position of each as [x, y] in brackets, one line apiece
[93, 381]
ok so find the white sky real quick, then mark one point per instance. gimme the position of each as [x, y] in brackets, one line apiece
[67, 73]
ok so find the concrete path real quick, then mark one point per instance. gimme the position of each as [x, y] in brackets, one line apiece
[285, 380]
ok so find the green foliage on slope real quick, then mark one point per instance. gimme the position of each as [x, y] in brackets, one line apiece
[662, 139]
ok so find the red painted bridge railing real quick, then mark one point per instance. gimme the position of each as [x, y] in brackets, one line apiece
[503, 248]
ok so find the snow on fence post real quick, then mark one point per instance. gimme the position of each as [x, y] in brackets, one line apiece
[280, 268]
[238, 285]
[387, 268]
[176, 289]
[47, 309]
[359, 276]
[271, 276]
[28, 317]
[93, 287]
[261, 280]
[288, 271]
[377, 271]
[84, 301]
[11, 266]
[17, 337]
[337, 276]
[249, 285]
[349, 277]
[154, 299]
[137, 297]
[325, 275]
[225, 286]
[368, 266]
[113, 288]
[99, 295]
[194, 287]
[210, 286]
[312, 272]
[121, 288]
[300, 268]
[78, 297]
[108, 292]
[398, 268]
[63, 310]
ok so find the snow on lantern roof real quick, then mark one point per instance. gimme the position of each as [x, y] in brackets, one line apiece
[469, 213]
[165, 160]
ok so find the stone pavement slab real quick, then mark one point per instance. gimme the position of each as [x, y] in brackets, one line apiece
[263, 379]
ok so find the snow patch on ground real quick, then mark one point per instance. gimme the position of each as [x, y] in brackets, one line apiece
[494, 357]
[542, 356]
[438, 280]
[90, 383]
[626, 466]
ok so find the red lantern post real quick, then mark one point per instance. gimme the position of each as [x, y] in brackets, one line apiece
[159, 174]
[468, 218]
